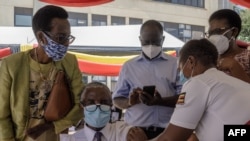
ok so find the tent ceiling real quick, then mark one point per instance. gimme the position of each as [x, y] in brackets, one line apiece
[113, 36]
[106, 36]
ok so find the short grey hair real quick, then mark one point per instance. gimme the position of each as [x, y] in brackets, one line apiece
[95, 84]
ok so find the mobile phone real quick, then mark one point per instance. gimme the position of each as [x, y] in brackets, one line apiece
[149, 89]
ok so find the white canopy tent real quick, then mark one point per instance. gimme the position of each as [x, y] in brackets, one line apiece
[123, 36]
[106, 36]
[112, 38]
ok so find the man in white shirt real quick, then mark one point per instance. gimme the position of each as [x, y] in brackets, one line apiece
[96, 102]
[210, 98]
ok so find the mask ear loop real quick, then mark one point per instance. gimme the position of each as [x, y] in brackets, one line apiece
[192, 72]
[232, 37]
[184, 66]
[228, 31]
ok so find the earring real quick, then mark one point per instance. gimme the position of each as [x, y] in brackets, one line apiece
[41, 42]
[233, 38]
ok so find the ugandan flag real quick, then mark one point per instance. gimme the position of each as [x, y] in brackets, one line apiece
[181, 98]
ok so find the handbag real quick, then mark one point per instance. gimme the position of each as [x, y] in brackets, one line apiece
[60, 100]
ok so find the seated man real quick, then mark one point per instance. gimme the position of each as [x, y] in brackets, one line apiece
[96, 103]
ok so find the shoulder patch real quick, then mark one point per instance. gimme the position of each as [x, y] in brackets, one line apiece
[181, 98]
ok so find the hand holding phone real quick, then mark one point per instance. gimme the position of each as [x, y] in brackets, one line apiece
[149, 89]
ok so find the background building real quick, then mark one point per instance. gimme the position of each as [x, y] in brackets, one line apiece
[185, 19]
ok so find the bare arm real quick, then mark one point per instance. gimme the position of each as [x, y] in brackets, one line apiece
[138, 96]
[136, 134]
[233, 68]
[36, 131]
[172, 133]
[124, 103]
[158, 100]
[238, 72]
[168, 101]
[175, 133]
[121, 102]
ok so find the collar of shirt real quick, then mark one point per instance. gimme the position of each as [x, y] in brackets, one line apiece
[162, 56]
[210, 70]
[91, 133]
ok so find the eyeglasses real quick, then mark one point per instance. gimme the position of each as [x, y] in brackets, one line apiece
[216, 31]
[157, 42]
[92, 108]
[60, 38]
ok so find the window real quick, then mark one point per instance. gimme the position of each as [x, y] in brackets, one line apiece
[188, 27]
[172, 28]
[182, 2]
[173, 1]
[117, 20]
[99, 20]
[78, 19]
[188, 2]
[110, 81]
[133, 21]
[23, 16]
[200, 3]
[197, 31]
[195, 3]
[184, 32]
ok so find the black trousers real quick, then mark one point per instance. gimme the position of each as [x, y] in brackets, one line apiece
[152, 131]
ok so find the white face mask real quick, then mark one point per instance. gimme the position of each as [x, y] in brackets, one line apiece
[151, 50]
[221, 42]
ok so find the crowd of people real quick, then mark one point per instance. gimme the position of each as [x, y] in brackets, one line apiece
[191, 97]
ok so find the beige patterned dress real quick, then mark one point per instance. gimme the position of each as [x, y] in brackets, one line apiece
[41, 81]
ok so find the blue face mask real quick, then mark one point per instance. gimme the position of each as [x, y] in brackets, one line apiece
[97, 118]
[54, 50]
[182, 79]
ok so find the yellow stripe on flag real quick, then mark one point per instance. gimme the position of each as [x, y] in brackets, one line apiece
[107, 59]
[24, 47]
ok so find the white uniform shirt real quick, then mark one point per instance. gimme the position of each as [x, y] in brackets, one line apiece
[212, 100]
[111, 132]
